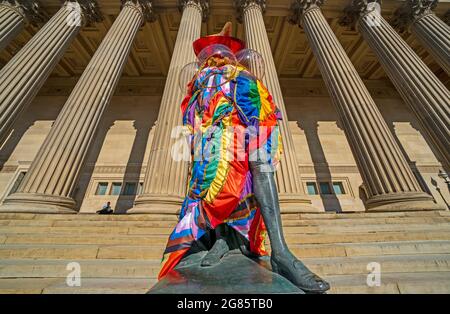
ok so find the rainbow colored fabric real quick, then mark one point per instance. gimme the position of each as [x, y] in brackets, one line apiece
[220, 188]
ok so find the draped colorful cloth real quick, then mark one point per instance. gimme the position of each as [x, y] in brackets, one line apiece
[230, 114]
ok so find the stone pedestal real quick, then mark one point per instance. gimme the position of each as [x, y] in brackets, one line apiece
[166, 179]
[52, 177]
[26, 72]
[235, 274]
[291, 194]
[389, 181]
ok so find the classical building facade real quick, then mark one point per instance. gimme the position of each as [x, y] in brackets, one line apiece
[89, 98]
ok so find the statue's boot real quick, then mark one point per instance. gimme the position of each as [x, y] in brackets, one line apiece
[215, 254]
[282, 260]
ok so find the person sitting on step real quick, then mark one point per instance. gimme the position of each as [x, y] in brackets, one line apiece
[106, 209]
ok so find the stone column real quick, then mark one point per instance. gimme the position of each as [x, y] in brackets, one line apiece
[432, 32]
[419, 87]
[290, 189]
[14, 15]
[26, 72]
[52, 177]
[165, 178]
[389, 180]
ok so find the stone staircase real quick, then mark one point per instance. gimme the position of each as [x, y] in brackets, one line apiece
[122, 253]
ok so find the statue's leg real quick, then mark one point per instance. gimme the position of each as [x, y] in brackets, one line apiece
[282, 260]
[219, 249]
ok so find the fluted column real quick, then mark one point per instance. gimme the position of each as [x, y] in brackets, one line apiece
[165, 178]
[14, 15]
[53, 174]
[432, 32]
[26, 72]
[419, 87]
[290, 189]
[389, 181]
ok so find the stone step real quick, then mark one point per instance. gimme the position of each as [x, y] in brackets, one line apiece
[135, 230]
[354, 215]
[391, 248]
[75, 252]
[97, 268]
[365, 228]
[103, 285]
[417, 282]
[72, 252]
[366, 221]
[91, 223]
[88, 285]
[130, 268]
[144, 217]
[38, 238]
[27, 236]
[314, 218]
[324, 224]
[366, 237]
[388, 263]
[371, 249]
[122, 253]
[26, 285]
[393, 283]
[87, 217]
[94, 230]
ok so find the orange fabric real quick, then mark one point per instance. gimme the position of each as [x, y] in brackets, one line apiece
[171, 262]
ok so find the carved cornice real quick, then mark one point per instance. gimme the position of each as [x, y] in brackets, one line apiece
[446, 17]
[88, 9]
[356, 10]
[411, 11]
[300, 7]
[29, 9]
[144, 7]
[420, 8]
[202, 5]
[242, 5]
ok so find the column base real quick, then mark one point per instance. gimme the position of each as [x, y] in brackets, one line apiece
[408, 201]
[38, 203]
[157, 204]
[296, 203]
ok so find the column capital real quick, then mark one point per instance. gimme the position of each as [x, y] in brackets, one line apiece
[300, 7]
[358, 9]
[87, 10]
[29, 9]
[144, 7]
[420, 8]
[446, 17]
[412, 11]
[202, 5]
[242, 5]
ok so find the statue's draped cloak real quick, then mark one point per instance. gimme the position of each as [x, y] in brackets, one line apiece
[220, 190]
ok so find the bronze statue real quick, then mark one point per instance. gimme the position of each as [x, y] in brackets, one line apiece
[232, 202]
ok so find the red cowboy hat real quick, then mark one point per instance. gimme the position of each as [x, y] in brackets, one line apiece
[233, 43]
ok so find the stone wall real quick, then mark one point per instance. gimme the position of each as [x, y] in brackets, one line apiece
[120, 151]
